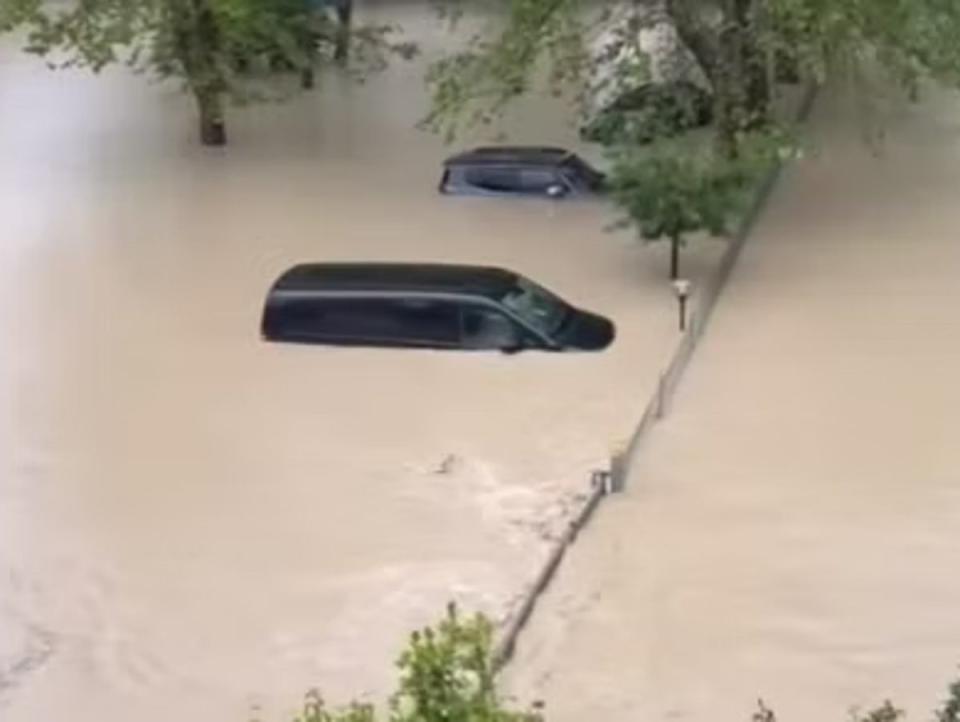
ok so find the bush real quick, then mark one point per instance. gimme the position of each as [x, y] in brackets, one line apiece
[446, 675]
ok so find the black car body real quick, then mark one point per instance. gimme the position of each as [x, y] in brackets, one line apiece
[425, 306]
[650, 111]
[520, 170]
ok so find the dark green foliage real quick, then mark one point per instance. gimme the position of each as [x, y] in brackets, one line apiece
[669, 191]
[17, 12]
[668, 194]
[446, 675]
[652, 112]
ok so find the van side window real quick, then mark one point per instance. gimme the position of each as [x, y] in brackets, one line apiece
[538, 181]
[428, 321]
[500, 180]
[488, 328]
[397, 321]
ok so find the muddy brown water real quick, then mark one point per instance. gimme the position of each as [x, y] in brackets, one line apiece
[193, 521]
[790, 532]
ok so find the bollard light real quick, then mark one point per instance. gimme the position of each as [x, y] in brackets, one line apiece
[681, 289]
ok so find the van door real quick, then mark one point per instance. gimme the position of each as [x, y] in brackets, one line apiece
[543, 182]
[492, 179]
[427, 322]
[484, 327]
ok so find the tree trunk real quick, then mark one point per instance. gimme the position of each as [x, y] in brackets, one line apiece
[725, 115]
[757, 93]
[754, 76]
[341, 52]
[674, 258]
[733, 62]
[308, 46]
[203, 71]
[712, 50]
[213, 130]
[701, 40]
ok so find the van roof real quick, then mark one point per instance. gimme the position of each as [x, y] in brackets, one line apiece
[412, 277]
[510, 154]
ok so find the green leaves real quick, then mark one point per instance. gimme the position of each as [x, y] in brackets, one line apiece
[17, 12]
[446, 675]
[670, 190]
[473, 86]
[741, 45]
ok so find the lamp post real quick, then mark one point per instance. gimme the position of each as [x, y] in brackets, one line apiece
[681, 289]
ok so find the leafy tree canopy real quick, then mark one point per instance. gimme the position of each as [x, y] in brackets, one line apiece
[738, 44]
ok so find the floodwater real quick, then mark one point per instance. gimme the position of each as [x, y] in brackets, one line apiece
[792, 531]
[192, 521]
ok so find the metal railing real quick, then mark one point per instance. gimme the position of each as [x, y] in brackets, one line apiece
[614, 480]
[705, 302]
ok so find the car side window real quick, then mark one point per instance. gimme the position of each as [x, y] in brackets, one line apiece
[487, 328]
[498, 180]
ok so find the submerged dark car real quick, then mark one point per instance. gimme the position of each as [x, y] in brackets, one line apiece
[426, 306]
[520, 170]
[650, 111]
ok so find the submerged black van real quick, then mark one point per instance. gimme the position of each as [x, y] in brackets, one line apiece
[425, 306]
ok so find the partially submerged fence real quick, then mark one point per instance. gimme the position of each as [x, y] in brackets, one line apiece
[614, 480]
[705, 302]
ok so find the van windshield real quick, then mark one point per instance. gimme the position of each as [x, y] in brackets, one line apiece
[536, 306]
[594, 179]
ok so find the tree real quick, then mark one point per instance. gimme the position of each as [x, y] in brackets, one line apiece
[668, 193]
[737, 43]
[344, 11]
[215, 48]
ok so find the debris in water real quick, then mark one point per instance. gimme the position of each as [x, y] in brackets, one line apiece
[38, 651]
[446, 466]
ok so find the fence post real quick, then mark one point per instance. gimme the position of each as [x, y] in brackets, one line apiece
[618, 470]
[661, 396]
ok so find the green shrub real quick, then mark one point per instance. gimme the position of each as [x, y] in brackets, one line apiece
[446, 675]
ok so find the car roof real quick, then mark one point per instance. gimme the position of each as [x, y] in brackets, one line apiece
[396, 277]
[510, 155]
